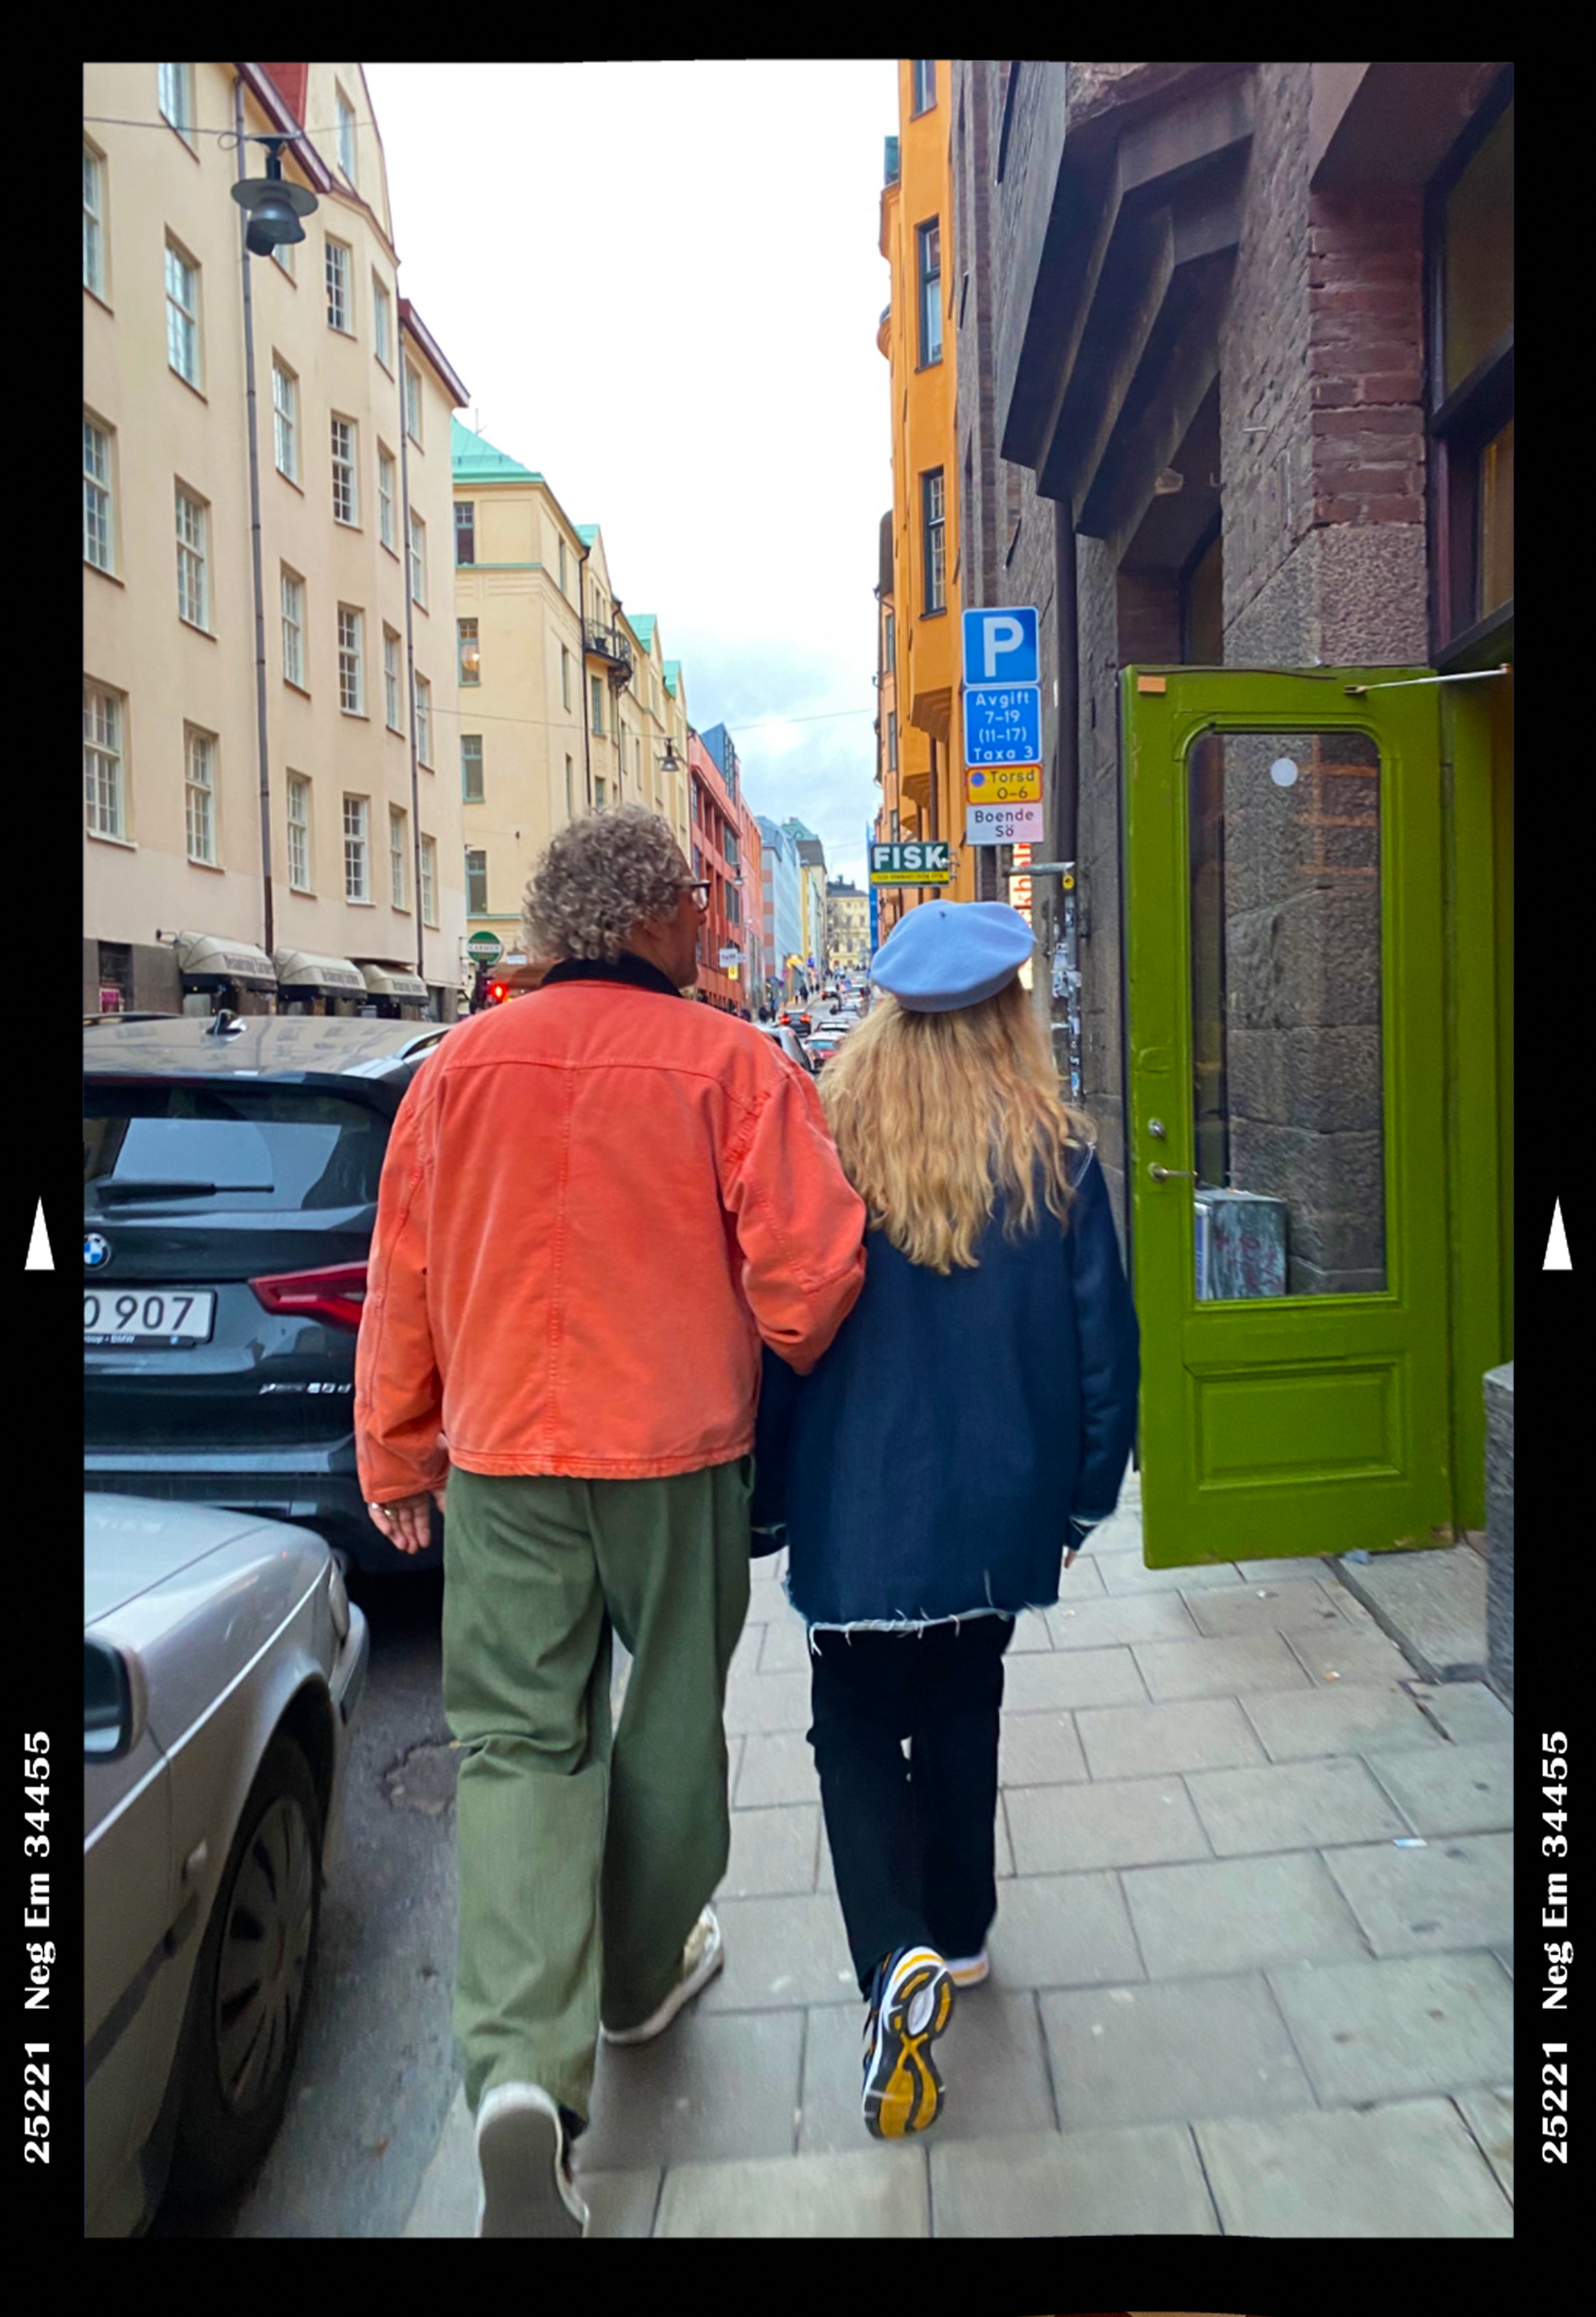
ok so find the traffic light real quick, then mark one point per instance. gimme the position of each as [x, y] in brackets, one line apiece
[498, 991]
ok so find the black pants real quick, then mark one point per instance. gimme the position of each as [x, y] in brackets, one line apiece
[912, 1841]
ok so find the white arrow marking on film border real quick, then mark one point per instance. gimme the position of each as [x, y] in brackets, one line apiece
[40, 1257]
[1557, 1245]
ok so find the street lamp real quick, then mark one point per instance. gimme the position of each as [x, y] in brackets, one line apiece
[272, 204]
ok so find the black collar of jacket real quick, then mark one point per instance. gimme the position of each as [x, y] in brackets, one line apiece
[627, 967]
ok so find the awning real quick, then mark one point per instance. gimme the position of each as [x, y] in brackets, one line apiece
[214, 957]
[301, 969]
[388, 981]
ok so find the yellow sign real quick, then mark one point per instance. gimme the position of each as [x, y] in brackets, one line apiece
[1004, 785]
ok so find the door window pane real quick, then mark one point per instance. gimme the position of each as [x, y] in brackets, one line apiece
[1478, 267]
[1284, 833]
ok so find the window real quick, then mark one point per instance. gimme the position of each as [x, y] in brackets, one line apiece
[99, 546]
[183, 315]
[395, 855]
[570, 789]
[340, 313]
[93, 220]
[412, 403]
[599, 793]
[1471, 372]
[192, 585]
[932, 528]
[465, 531]
[298, 833]
[423, 721]
[925, 83]
[928, 244]
[470, 652]
[285, 418]
[565, 677]
[345, 135]
[596, 693]
[199, 797]
[356, 850]
[345, 492]
[889, 648]
[429, 880]
[176, 99]
[385, 499]
[293, 628]
[104, 786]
[351, 672]
[562, 572]
[418, 560]
[475, 884]
[390, 679]
[471, 788]
[382, 323]
[283, 254]
[892, 739]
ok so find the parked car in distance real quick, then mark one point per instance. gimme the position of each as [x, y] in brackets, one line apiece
[231, 1175]
[223, 1665]
[790, 1044]
[820, 1048]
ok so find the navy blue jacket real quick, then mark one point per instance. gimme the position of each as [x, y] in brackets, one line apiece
[929, 1466]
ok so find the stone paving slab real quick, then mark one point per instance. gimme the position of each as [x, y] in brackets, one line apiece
[1347, 1655]
[1062, 1930]
[766, 1702]
[1467, 1711]
[1039, 1749]
[776, 1768]
[1121, 1822]
[1288, 1570]
[1345, 1718]
[780, 1954]
[1144, 2180]
[1451, 1790]
[992, 2062]
[1198, 1668]
[1124, 1574]
[1292, 1806]
[1065, 1678]
[1030, 1632]
[1453, 1893]
[618, 2203]
[1160, 2055]
[1242, 1914]
[772, 1851]
[1137, 1741]
[1489, 2115]
[711, 2087]
[1409, 2169]
[874, 2192]
[786, 1647]
[1266, 1608]
[1136, 1617]
[1433, 1602]
[1397, 2029]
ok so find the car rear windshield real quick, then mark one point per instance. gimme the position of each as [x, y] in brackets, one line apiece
[264, 1148]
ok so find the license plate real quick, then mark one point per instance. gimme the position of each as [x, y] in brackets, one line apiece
[161, 1315]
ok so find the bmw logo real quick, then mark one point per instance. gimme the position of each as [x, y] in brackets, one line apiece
[96, 1251]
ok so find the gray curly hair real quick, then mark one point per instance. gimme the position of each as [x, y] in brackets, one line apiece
[598, 876]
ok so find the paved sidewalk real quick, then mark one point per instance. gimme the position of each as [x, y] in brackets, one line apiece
[1250, 1971]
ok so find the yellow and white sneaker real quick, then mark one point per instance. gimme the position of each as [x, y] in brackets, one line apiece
[968, 1970]
[913, 2004]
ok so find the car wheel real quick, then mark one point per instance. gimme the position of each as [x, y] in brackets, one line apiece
[252, 1982]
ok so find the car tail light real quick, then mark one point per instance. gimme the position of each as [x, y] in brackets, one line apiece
[336, 1293]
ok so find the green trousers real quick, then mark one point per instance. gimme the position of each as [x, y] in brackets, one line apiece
[584, 1855]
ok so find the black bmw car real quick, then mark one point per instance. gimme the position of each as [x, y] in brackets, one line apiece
[230, 1174]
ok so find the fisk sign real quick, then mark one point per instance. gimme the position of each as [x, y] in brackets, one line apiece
[1001, 646]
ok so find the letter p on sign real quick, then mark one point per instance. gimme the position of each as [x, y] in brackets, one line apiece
[1000, 647]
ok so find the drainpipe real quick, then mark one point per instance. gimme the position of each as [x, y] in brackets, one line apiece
[582, 672]
[420, 931]
[255, 539]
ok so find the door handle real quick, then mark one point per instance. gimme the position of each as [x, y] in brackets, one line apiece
[1171, 1175]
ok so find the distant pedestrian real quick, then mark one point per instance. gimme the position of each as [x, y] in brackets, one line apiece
[968, 1426]
[595, 1204]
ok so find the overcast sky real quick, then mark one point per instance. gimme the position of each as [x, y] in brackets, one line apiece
[661, 283]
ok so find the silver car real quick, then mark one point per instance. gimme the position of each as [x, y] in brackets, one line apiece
[223, 1662]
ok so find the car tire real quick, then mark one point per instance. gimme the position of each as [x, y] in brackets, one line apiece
[252, 1983]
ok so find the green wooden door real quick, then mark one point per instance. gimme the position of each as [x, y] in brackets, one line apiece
[1286, 1154]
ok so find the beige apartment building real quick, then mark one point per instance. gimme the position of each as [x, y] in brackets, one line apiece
[847, 928]
[353, 894]
[563, 703]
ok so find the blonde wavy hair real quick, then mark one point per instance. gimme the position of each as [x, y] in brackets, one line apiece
[935, 1114]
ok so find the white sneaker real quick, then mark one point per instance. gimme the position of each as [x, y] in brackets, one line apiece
[701, 1958]
[967, 1971]
[526, 2189]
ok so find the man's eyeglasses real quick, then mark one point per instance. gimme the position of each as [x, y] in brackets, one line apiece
[700, 887]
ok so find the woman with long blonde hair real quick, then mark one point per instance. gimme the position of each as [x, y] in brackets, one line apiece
[970, 1423]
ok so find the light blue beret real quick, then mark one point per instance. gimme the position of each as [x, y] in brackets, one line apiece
[949, 954]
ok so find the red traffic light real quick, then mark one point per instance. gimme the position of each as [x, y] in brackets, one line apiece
[498, 991]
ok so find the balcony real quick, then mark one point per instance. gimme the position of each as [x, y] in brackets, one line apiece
[611, 646]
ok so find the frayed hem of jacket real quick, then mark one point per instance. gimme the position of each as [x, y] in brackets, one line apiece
[908, 1624]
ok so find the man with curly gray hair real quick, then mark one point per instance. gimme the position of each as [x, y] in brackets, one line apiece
[596, 1206]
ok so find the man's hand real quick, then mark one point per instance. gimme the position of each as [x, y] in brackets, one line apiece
[1070, 1556]
[407, 1523]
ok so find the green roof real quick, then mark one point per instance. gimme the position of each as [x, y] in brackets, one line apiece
[587, 532]
[642, 624]
[672, 671]
[475, 460]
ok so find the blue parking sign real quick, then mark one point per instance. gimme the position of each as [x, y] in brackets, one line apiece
[1000, 647]
[1003, 724]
